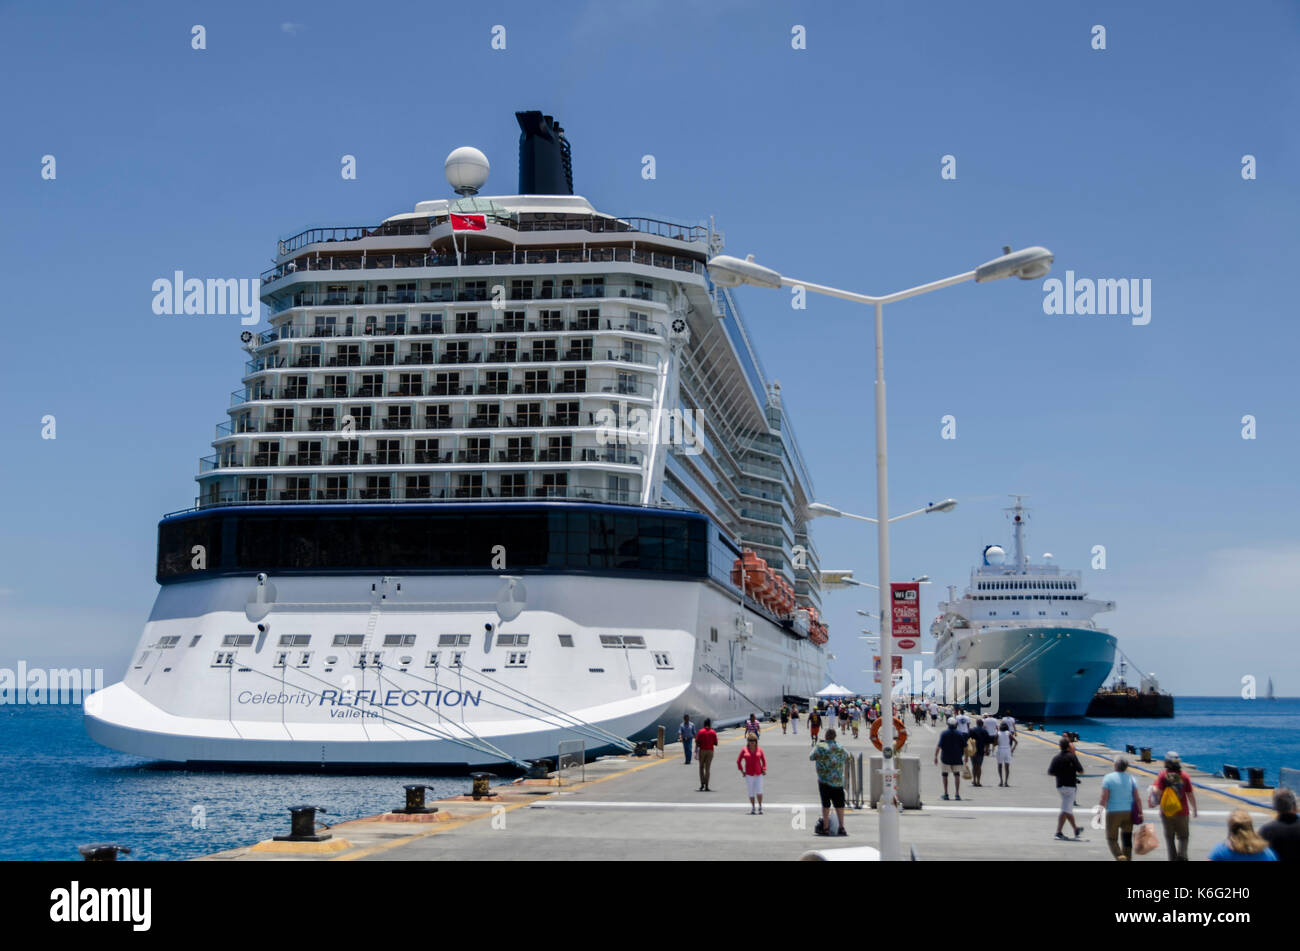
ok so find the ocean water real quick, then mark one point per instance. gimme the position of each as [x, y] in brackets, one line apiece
[1208, 732]
[59, 789]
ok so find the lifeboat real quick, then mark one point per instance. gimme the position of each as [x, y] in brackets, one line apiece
[751, 565]
[787, 597]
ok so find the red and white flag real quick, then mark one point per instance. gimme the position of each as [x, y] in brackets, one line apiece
[468, 222]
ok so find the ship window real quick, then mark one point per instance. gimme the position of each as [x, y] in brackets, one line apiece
[663, 661]
[611, 640]
[635, 641]
[304, 659]
[348, 640]
[566, 640]
[171, 640]
[517, 659]
[143, 657]
[194, 641]
[223, 659]
[369, 659]
[295, 640]
[281, 658]
[237, 640]
[453, 640]
[457, 658]
[713, 634]
[399, 640]
[431, 659]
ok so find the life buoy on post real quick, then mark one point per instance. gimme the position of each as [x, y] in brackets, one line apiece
[900, 735]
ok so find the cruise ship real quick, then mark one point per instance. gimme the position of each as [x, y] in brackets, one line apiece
[504, 477]
[1028, 630]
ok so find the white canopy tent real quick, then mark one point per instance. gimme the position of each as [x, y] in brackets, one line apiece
[834, 690]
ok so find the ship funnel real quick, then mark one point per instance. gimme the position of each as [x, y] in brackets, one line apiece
[545, 160]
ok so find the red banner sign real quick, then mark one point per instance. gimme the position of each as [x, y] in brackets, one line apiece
[905, 616]
[896, 662]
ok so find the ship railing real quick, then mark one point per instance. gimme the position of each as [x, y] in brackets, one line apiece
[346, 455]
[530, 256]
[435, 494]
[386, 391]
[596, 224]
[440, 294]
[362, 330]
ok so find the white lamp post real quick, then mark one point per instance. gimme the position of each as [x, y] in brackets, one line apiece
[728, 271]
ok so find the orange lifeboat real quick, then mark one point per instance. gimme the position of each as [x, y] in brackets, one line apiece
[750, 565]
[787, 597]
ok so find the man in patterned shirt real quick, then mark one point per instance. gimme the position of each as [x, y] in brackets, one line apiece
[830, 758]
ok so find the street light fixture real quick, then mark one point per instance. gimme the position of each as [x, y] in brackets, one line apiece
[1027, 264]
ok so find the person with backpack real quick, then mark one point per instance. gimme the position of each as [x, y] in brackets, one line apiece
[1177, 803]
[1121, 802]
[753, 766]
[1065, 766]
[830, 758]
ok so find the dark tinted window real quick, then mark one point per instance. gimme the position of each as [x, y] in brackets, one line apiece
[439, 539]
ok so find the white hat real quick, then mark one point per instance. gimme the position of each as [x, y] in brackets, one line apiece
[952, 721]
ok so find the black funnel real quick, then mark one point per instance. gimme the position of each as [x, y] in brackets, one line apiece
[545, 162]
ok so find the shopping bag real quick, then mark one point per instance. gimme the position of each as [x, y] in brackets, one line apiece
[1145, 840]
[965, 771]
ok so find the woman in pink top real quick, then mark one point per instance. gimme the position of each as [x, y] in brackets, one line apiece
[753, 766]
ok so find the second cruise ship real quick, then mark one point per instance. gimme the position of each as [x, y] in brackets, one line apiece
[504, 473]
[1028, 630]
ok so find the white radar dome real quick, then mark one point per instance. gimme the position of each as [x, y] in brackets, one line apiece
[467, 169]
[994, 555]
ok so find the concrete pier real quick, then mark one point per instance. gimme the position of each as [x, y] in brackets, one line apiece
[650, 808]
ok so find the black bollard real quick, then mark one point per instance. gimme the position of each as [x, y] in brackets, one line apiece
[1255, 777]
[102, 851]
[1146, 754]
[302, 825]
[415, 801]
[539, 769]
[1131, 750]
[480, 788]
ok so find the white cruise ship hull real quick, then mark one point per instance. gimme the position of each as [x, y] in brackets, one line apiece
[341, 709]
[1048, 671]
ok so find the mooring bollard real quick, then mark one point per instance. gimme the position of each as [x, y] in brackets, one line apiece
[102, 851]
[415, 801]
[1131, 750]
[1255, 777]
[1146, 754]
[480, 788]
[539, 769]
[302, 825]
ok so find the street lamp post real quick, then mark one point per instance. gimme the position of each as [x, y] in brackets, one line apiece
[1028, 264]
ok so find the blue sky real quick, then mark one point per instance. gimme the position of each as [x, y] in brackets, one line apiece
[823, 162]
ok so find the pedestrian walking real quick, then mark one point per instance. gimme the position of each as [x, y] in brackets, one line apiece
[752, 725]
[1177, 802]
[977, 745]
[855, 719]
[844, 719]
[753, 766]
[830, 758]
[794, 719]
[1121, 802]
[814, 725]
[952, 749]
[706, 741]
[1006, 746]
[1283, 833]
[1065, 766]
[1243, 844]
[686, 733]
[934, 713]
[785, 717]
[963, 723]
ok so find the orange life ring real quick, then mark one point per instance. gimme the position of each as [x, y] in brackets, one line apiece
[900, 734]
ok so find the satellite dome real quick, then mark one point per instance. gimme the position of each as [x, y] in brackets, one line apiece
[467, 169]
[1048, 556]
[994, 555]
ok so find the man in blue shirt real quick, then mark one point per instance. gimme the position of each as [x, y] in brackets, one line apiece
[686, 733]
[952, 750]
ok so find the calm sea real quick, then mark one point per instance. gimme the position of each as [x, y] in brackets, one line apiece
[59, 789]
[1210, 731]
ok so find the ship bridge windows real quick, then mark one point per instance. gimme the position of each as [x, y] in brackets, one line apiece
[399, 640]
[566, 640]
[348, 640]
[237, 640]
[295, 640]
[170, 641]
[453, 640]
[512, 640]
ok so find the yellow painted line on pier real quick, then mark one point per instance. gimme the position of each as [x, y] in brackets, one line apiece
[1138, 765]
[460, 821]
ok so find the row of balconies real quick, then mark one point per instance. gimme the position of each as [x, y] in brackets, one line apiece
[504, 352]
[412, 488]
[398, 325]
[396, 389]
[435, 456]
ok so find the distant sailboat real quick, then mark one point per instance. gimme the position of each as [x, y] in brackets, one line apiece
[1269, 695]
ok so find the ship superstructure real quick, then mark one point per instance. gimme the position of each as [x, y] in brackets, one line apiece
[1028, 628]
[497, 477]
